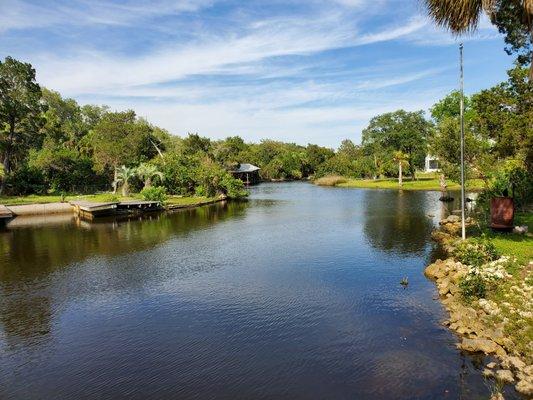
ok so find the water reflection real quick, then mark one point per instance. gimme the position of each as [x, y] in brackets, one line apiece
[292, 295]
[398, 222]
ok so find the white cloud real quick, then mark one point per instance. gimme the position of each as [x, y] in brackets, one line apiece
[309, 76]
[21, 14]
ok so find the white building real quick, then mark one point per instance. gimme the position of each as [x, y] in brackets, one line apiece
[431, 164]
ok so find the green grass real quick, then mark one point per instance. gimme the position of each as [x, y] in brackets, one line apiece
[519, 246]
[32, 199]
[421, 183]
[189, 201]
[97, 198]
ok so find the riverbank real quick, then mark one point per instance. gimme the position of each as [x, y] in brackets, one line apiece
[486, 285]
[422, 183]
[53, 204]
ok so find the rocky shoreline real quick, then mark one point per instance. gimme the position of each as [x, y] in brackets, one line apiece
[483, 325]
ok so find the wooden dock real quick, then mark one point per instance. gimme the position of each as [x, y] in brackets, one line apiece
[138, 206]
[89, 209]
[5, 214]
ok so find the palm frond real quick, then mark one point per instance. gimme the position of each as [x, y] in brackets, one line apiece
[458, 16]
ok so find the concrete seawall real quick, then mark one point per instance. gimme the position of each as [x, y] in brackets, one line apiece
[41, 209]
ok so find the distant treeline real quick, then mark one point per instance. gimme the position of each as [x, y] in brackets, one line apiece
[52, 144]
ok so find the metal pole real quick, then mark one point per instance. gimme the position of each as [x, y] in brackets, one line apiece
[463, 230]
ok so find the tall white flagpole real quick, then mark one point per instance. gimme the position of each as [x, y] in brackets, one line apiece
[463, 229]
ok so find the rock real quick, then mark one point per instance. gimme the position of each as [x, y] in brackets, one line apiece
[504, 375]
[524, 387]
[497, 396]
[513, 362]
[491, 365]
[487, 373]
[521, 230]
[482, 345]
[435, 270]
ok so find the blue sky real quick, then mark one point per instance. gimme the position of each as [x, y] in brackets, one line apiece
[312, 71]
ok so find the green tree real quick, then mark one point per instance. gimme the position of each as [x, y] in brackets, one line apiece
[504, 115]
[119, 139]
[399, 131]
[195, 143]
[64, 169]
[513, 18]
[20, 111]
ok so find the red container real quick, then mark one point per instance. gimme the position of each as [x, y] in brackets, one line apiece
[501, 213]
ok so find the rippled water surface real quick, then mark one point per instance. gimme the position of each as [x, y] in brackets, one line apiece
[294, 294]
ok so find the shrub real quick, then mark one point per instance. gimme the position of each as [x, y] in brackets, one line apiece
[25, 180]
[481, 279]
[154, 193]
[332, 180]
[473, 286]
[234, 188]
[476, 251]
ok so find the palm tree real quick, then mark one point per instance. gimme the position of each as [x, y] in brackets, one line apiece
[402, 159]
[123, 175]
[147, 172]
[461, 16]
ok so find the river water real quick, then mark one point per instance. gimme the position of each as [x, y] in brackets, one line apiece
[294, 294]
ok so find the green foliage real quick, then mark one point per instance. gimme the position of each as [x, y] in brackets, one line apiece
[154, 193]
[403, 131]
[473, 286]
[507, 178]
[20, 112]
[123, 176]
[120, 138]
[503, 114]
[64, 169]
[147, 172]
[475, 251]
[54, 144]
[24, 181]
[513, 18]
[233, 188]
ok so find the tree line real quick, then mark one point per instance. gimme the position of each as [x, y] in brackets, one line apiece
[52, 144]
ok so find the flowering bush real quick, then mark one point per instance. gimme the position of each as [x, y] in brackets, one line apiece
[480, 279]
[475, 252]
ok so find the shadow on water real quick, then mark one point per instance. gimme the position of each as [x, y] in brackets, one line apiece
[294, 294]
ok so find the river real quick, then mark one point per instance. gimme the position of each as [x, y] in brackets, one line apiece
[294, 294]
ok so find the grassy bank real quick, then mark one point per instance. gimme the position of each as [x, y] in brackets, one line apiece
[422, 183]
[185, 201]
[486, 285]
[519, 246]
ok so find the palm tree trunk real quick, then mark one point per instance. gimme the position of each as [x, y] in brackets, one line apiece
[400, 180]
[125, 189]
[115, 183]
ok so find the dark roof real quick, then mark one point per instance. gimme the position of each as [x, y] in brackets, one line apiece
[246, 168]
